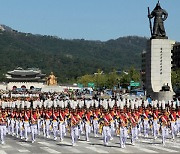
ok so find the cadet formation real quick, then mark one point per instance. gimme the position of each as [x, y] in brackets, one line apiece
[26, 117]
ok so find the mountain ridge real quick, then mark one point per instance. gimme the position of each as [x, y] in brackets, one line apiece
[68, 59]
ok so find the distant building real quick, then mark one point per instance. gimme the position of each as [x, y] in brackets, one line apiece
[176, 56]
[27, 79]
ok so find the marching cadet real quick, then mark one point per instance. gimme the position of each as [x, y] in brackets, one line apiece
[133, 125]
[178, 120]
[43, 123]
[87, 118]
[146, 119]
[112, 115]
[155, 120]
[3, 123]
[55, 117]
[66, 112]
[106, 127]
[80, 113]
[12, 121]
[139, 113]
[8, 121]
[123, 126]
[173, 120]
[33, 125]
[48, 122]
[62, 118]
[137, 116]
[96, 116]
[17, 122]
[164, 123]
[74, 120]
[27, 115]
[21, 127]
[39, 106]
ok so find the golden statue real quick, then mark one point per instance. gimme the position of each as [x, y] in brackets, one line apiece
[51, 80]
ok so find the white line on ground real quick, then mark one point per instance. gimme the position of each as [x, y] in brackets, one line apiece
[164, 149]
[24, 144]
[47, 144]
[23, 150]
[145, 149]
[2, 152]
[6, 147]
[122, 150]
[49, 150]
[73, 150]
[97, 150]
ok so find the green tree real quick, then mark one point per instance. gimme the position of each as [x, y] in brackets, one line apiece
[175, 78]
[86, 79]
[134, 74]
[100, 79]
[112, 79]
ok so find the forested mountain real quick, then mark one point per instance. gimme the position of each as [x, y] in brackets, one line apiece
[68, 59]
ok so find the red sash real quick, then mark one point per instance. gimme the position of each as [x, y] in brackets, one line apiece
[61, 117]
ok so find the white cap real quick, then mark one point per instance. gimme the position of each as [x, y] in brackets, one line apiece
[160, 104]
[128, 103]
[118, 103]
[121, 104]
[140, 103]
[170, 103]
[105, 104]
[163, 104]
[145, 103]
[111, 103]
[88, 104]
[174, 104]
[155, 103]
[132, 104]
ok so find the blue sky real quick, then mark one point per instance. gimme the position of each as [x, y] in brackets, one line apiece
[87, 19]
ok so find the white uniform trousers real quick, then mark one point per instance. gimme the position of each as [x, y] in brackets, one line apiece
[26, 128]
[43, 126]
[17, 128]
[164, 134]
[74, 134]
[134, 133]
[39, 126]
[112, 129]
[178, 126]
[33, 131]
[8, 125]
[80, 129]
[106, 134]
[88, 130]
[55, 128]
[146, 127]
[21, 128]
[123, 136]
[12, 126]
[62, 130]
[96, 127]
[155, 128]
[173, 129]
[47, 127]
[2, 132]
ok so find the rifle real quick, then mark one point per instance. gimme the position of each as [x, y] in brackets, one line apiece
[150, 24]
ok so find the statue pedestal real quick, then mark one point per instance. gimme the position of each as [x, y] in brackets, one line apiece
[158, 68]
[52, 89]
[162, 95]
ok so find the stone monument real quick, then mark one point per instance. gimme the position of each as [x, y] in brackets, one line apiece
[158, 58]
